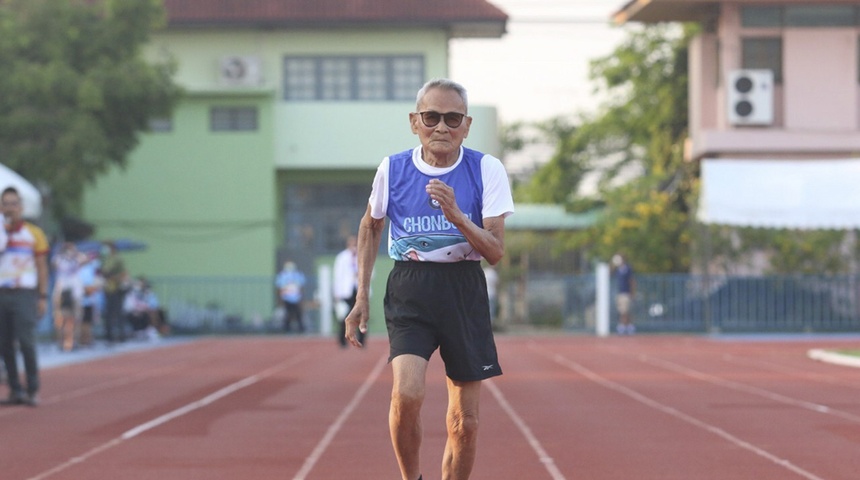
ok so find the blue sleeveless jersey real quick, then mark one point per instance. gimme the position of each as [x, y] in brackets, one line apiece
[418, 229]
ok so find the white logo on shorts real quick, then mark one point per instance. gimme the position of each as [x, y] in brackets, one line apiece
[488, 367]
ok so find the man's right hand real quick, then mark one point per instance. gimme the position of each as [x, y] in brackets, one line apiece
[356, 322]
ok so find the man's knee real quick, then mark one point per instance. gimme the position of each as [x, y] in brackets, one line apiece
[407, 399]
[463, 425]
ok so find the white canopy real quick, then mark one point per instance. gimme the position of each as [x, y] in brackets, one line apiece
[30, 196]
[799, 194]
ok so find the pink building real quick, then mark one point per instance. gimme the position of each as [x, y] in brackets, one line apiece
[778, 81]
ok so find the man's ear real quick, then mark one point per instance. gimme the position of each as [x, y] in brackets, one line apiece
[468, 126]
[413, 117]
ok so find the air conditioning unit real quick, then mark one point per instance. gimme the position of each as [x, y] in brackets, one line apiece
[750, 97]
[241, 71]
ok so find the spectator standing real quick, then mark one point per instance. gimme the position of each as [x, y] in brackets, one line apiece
[115, 280]
[290, 282]
[624, 297]
[91, 305]
[23, 297]
[447, 206]
[345, 287]
[67, 295]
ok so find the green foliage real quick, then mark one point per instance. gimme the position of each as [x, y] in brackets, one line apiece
[648, 216]
[811, 252]
[642, 126]
[555, 182]
[76, 92]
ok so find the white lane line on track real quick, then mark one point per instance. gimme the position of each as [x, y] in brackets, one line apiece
[833, 357]
[773, 396]
[596, 378]
[81, 392]
[129, 434]
[545, 459]
[796, 371]
[324, 443]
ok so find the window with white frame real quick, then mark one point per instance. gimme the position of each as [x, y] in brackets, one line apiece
[358, 78]
[819, 14]
[233, 119]
[763, 53]
[160, 125]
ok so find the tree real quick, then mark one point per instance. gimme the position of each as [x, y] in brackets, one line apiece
[648, 217]
[643, 125]
[76, 91]
[786, 251]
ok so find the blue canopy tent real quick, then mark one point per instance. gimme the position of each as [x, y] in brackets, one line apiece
[121, 244]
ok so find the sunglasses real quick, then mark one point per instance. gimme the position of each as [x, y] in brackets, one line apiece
[452, 119]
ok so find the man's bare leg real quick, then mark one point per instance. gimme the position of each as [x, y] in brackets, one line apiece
[462, 420]
[404, 416]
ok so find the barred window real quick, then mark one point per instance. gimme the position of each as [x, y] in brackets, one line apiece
[233, 119]
[800, 15]
[366, 78]
[160, 125]
[763, 53]
[300, 83]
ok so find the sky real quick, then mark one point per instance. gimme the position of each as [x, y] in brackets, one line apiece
[539, 68]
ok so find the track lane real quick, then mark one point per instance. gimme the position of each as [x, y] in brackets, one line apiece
[266, 431]
[686, 407]
[596, 432]
[125, 407]
[745, 406]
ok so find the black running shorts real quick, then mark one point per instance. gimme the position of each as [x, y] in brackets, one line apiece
[442, 305]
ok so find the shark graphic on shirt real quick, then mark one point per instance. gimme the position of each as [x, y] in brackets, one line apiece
[431, 248]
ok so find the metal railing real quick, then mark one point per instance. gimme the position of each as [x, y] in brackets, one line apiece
[217, 304]
[695, 303]
[663, 303]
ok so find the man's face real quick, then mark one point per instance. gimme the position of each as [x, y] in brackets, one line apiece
[11, 204]
[441, 140]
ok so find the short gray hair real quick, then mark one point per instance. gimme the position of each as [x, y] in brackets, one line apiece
[444, 84]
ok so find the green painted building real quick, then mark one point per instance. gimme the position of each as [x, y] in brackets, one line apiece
[289, 108]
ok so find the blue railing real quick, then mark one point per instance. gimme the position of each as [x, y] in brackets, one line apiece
[748, 304]
[217, 304]
[694, 303]
[663, 303]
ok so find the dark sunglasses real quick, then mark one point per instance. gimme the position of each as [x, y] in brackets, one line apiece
[431, 118]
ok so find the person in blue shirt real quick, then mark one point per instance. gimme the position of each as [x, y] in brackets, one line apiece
[446, 205]
[624, 297]
[91, 304]
[290, 282]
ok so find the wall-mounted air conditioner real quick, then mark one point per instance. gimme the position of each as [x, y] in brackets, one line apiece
[750, 97]
[241, 71]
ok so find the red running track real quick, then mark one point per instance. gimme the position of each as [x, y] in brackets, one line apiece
[568, 407]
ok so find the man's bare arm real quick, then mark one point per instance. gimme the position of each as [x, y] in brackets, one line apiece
[369, 235]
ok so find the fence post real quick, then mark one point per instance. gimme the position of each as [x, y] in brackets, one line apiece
[324, 297]
[601, 301]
